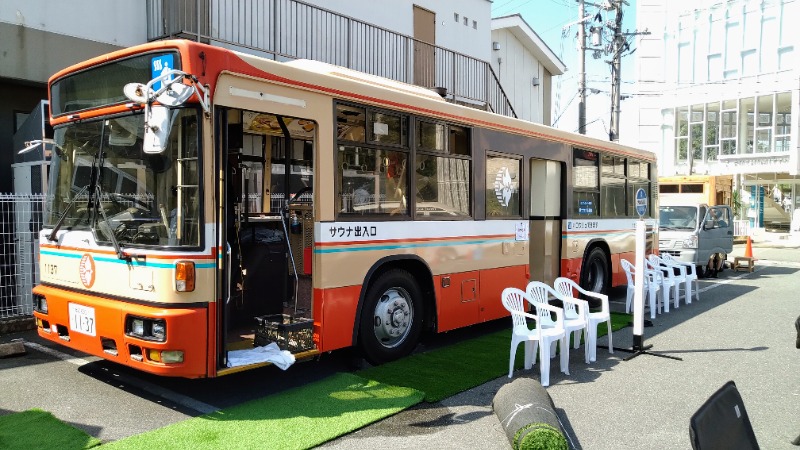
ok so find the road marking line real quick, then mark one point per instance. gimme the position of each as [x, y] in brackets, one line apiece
[55, 353]
[159, 391]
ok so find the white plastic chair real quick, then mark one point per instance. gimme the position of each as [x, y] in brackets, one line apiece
[678, 273]
[567, 287]
[652, 284]
[691, 277]
[516, 301]
[575, 314]
[664, 276]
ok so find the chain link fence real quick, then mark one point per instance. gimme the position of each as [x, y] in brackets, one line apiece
[20, 222]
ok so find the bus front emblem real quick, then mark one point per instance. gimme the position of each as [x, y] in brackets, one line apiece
[86, 270]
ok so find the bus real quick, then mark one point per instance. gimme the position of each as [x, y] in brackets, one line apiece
[227, 202]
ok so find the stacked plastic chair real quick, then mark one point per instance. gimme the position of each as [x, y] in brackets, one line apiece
[567, 288]
[652, 284]
[516, 302]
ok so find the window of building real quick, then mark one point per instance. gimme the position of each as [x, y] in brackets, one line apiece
[455, 16]
[712, 131]
[466, 21]
[783, 121]
[747, 122]
[585, 183]
[503, 175]
[728, 127]
[696, 119]
[475, 24]
[764, 125]
[681, 134]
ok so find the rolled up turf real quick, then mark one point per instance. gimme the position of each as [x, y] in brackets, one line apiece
[528, 416]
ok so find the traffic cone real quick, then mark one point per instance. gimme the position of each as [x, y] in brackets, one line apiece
[748, 250]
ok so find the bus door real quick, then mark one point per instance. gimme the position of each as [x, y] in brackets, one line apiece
[267, 215]
[545, 219]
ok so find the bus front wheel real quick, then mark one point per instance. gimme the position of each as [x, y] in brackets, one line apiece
[391, 319]
[594, 274]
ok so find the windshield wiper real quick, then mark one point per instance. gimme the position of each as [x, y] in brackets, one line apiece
[60, 221]
[99, 203]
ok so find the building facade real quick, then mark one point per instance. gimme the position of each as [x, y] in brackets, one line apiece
[717, 83]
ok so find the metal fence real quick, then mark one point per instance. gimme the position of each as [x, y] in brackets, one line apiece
[20, 222]
[291, 29]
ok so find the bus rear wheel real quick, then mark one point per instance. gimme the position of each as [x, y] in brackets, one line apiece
[391, 318]
[594, 273]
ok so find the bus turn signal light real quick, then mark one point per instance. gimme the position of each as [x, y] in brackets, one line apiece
[184, 276]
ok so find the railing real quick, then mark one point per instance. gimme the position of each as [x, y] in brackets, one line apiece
[741, 227]
[290, 29]
[20, 221]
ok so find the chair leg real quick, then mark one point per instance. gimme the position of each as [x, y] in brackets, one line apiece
[511, 357]
[610, 344]
[529, 356]
[576, 337]
[590, 342]
[688, 291]
[628, 299]
[564, 355]
[544, 366]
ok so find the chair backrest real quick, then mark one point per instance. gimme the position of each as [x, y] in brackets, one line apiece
[722, 422]
[566, 287]
[514, 301]
[539, 292]
[627, 266]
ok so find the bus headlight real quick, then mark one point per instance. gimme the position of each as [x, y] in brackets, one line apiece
[40, 303]
[184, 276]
[148, 329]
[690, 242]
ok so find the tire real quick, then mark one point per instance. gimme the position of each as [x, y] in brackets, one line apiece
[594, 272]
[391, 317]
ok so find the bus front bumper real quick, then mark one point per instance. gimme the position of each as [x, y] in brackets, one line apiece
[125, 332]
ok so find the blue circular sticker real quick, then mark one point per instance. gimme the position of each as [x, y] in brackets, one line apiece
[641, 202]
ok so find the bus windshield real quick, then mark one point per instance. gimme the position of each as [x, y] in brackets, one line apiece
[142, 199]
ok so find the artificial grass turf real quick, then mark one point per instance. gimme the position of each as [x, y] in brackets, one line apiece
[40, 429]
[299, 418]
[444, 372]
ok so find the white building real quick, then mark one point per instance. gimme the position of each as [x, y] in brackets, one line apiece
[718, 86]
[525, 66]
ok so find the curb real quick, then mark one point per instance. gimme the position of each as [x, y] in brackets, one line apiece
[8, 326]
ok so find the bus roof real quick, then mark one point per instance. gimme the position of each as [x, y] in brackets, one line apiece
[209, 62]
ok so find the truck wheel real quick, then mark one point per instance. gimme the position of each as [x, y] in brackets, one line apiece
[391, 318]
[594, 273]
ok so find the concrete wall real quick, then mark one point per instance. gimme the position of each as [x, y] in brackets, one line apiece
[398, 15]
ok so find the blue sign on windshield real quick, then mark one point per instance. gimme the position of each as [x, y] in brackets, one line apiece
[161, 64]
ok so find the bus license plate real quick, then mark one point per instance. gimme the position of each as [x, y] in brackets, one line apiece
[81, 319]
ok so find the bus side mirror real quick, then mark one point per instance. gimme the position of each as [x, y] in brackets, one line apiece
[156, 130]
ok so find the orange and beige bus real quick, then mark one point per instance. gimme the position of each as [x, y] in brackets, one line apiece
[205, 203]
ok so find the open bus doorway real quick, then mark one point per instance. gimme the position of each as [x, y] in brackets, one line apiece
[268, 231]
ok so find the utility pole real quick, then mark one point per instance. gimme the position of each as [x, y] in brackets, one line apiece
[617, 46]
[581, 68]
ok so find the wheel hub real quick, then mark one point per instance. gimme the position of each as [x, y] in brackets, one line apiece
[393, 317]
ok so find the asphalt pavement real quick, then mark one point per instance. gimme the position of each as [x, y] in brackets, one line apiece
[741, 329]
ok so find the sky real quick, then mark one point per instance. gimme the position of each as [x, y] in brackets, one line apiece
[548, 19]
